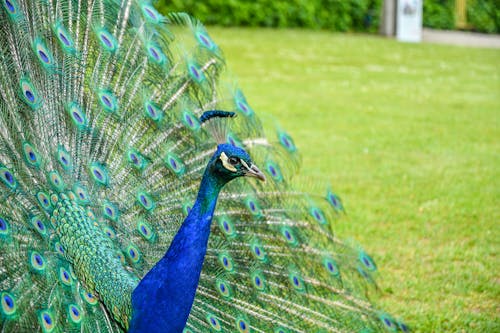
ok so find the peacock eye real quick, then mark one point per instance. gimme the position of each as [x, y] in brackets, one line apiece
[234, 161]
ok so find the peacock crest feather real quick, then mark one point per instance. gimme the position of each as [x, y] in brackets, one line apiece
[102, 150]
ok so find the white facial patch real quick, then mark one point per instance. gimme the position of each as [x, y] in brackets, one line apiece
[225, 162]
[245, 165]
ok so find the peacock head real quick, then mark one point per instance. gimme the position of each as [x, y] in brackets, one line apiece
[230, 162]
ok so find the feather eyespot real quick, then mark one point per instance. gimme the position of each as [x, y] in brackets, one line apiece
[241, 103]
[289, 235]
[37, 262]
[107, 40]
[403, 327]
[331, 267]
[55, 180]
[136, 159]
[64, 276]
[297, 282]
[43, 56]
[388, 322]
[31, 155]
[59, 248]
[133, 254]
[10, 6]
[286, 141]
[214, 323]
[99, 174]
[64, 158]
[81, 194]
[195, 73]
[145, 230]
[8, 304]
[156, 54]
[150, 14]
[223, 288]
[37, 223]
[258, 252]
[242, 326]
[64, 37]
[108, 101]
[4, 226]
[47, 321]
[205, 40]
[145, 201]
[110, 211]
[318, 215]
[226, 262]
[44, 201]
[43, 53]
[109, 232]
[175, 164]
[77, 115]
[7, 178]
[29, 93]
[75, 314]
[189, 120]
[258, 281]
[89, 298]
[152, 111]
[367, 261]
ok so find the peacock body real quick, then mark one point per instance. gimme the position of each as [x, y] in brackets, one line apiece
[105, 165]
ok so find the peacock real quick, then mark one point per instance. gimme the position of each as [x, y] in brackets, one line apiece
[140, 192]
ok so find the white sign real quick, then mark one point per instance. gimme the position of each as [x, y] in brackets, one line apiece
[409, 21]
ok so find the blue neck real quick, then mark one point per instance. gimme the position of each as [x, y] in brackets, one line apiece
[163, 299]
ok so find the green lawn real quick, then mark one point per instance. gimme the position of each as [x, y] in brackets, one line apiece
[409, 136]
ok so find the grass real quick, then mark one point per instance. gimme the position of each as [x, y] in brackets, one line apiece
[409, 136]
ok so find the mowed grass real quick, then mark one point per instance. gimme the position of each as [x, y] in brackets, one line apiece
[408, 135]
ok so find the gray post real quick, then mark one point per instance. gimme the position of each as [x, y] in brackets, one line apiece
[388, 22]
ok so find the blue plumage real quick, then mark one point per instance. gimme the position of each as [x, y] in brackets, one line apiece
[163, 299]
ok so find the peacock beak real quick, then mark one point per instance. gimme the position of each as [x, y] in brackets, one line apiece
[253, 171]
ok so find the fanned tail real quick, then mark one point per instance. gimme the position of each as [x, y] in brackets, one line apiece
[99, 114]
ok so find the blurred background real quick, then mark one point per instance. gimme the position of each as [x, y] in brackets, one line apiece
[336, 15]
[406, 133]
